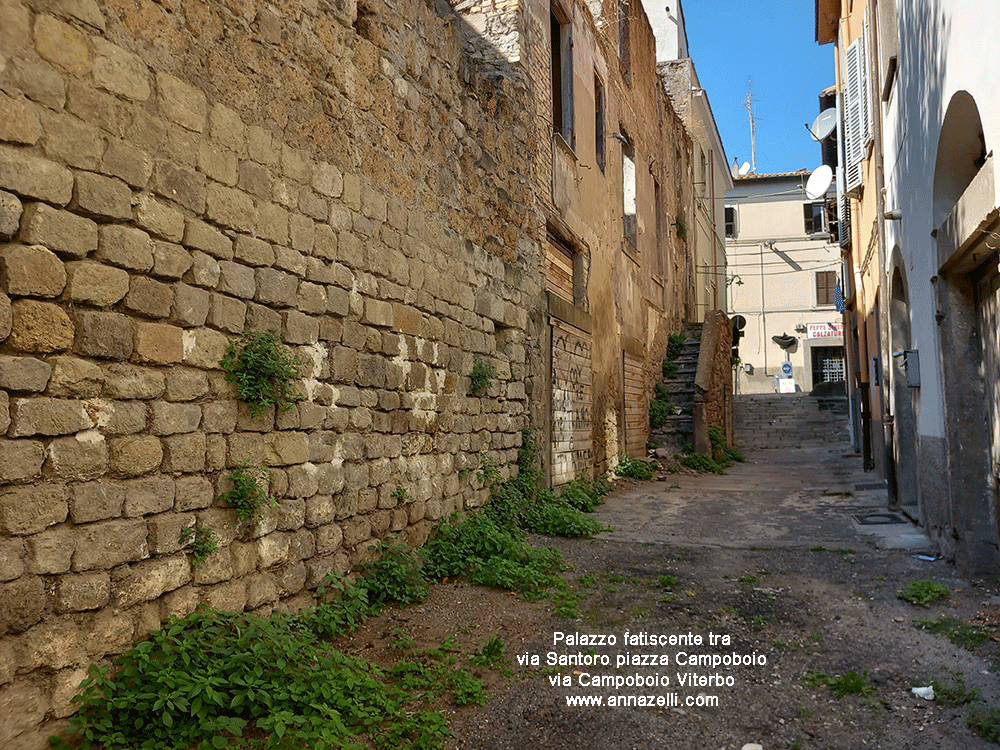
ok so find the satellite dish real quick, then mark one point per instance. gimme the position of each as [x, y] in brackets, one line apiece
[745, 168]
[819, 182]
[824, 124]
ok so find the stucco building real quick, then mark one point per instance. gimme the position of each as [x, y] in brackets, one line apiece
[920, 120]
[784, 266]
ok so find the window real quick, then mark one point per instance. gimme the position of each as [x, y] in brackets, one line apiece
[562, 79]
[660, 224]
[857, 109]
[599, 121]
[826, 287]
[814, 217]
[628, 192]
[624, 41]
[730, 222]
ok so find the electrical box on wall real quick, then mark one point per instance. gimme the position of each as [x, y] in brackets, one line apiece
[911, 365]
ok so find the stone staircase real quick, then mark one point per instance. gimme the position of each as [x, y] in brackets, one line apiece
[788, 420]
[679, 428]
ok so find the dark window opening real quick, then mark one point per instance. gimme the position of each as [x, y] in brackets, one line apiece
[730, 222]
[624, 40]
[826, 287]
[599, 121]
[815, 217]
[562, 79]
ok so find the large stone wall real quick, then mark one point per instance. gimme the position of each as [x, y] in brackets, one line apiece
[173, 174]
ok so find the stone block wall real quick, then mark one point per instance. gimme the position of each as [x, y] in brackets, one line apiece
[173, 176]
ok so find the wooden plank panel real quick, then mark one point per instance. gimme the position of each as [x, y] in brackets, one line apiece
[572, 446]
[636, 410]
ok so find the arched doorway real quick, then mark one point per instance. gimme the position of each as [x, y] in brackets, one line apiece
[905, 486]
[965, 218]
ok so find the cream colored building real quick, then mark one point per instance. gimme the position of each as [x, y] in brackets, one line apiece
[783, 265]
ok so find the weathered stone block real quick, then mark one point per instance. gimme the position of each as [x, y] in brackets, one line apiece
[252, 251]
[327, 180]
[124, 160]
[126, 247]
[204, 348]
[10, 214]
[4, 412]
[132, 456]
[286, 448]
[201, 236]
[102, 546]
[170, 418]
[170, 261]
[149, 297]
[236, 279]
[75, 378]
[150, 579]
[117, 418]
[21, 123]
[72, 141]
[11, 562]
[31, 271]
[51, 552]
[31, 509]
[47, 416]
[62, 45]
[180, 184]
[185, 385]
[230, 207]
[299, 328]
[22, 603]
[119, 71]
[262, 318]
[217, 568]
[272, 549]
[102, 197]
[272, 222]
[79, 457]
[254, 179]
[191, 305]
[193, 493]
[165, 531]
[66, 685]
[291, 260]
[148, 495]
[184, 453]
[31, 176]
[96, 501]
[276, 288]
[60, 231]
[24, 374]
[124, 381]
[181, 103]
[79, 593]
[158, 218]
[227, 313]
[229, 596]
[20, 460]
[219, 417]
[219, 164]
[37, 79]
[95, 283]
[103, 335]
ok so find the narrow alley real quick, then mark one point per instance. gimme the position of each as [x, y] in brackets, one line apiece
[792, 555]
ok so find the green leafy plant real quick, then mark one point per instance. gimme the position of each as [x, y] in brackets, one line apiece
[675, 345]
[985, 721]
[201, 540]
[481, 377]
[953, 693]
[634, 468]
[659, 406]
[491, 654]
[396, 576]
[958, 632]
[250, 494]
[923, 593]
[841, 685]
[263, 371]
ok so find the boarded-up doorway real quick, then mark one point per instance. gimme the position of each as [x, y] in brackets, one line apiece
[635, 408]
[572, 396]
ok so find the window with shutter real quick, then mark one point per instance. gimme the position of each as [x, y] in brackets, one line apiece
[854, 115]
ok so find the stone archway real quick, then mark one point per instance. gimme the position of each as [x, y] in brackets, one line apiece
[966, 216]
[905, 487]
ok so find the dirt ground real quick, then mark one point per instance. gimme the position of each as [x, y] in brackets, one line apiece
[801, 611]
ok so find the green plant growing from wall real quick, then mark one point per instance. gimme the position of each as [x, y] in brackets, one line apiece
[250, 493]
[659, 407]
[481, 376]
[201, 540]
[263, 371]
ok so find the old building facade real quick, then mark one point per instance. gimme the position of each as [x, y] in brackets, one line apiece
[385, 186]
[920, 123]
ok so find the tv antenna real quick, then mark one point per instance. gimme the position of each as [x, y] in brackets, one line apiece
[748, 102]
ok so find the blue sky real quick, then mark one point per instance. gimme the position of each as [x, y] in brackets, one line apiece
[772, 41]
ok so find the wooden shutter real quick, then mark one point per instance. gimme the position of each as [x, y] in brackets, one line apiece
[854, 127]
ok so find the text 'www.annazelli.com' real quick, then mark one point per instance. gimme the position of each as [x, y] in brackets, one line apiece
[661, 700]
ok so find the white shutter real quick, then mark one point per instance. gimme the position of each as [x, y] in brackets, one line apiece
[854, 116]
[865, 70]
